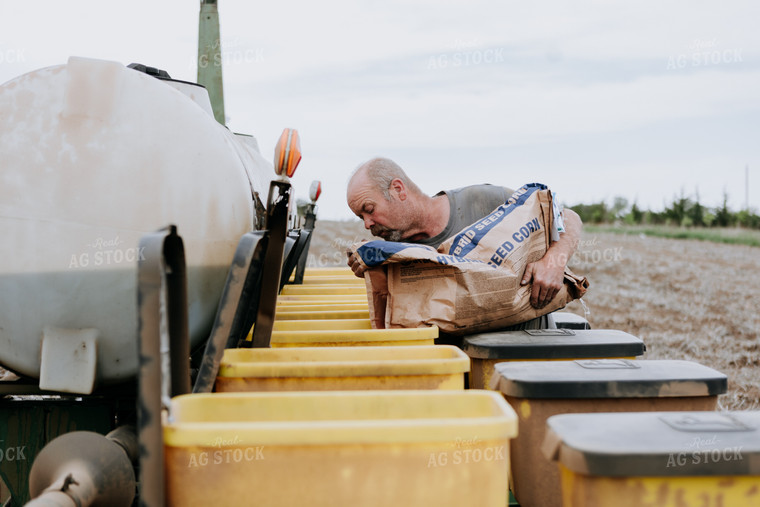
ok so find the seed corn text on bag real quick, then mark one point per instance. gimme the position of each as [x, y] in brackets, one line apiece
[471, 283]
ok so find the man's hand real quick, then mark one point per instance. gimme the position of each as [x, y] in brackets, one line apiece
[547, 275]
[357, 267]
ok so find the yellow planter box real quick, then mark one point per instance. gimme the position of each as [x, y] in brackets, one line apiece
[349, 279]
[667, 459]
[313, 306]
[354, 337]
[339, 449]
[487, 349]
[322, 299]
[323, 313]
[342, 368]
[307, 325]
[295, 310]
[336, 271]
[538, 390]
[325, 290]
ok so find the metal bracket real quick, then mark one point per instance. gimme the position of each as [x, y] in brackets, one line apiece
[277, 225]
[308, 227]
[302, 238]
[164, 350]
[237, 306]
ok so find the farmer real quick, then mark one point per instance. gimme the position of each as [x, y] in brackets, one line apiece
[394, 208]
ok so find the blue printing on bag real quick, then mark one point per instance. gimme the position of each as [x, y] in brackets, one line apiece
[376, 252]
[509, 208]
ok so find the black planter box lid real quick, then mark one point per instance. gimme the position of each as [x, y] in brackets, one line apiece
[655, 444]
[607, 378]
[553, 344]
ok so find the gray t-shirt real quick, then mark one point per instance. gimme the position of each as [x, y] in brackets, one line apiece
[468, 205]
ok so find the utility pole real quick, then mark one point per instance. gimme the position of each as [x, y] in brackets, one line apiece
[210, 57]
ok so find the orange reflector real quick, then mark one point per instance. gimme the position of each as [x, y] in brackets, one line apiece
[287, 153]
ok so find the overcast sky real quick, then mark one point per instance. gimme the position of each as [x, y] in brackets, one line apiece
[595, 99]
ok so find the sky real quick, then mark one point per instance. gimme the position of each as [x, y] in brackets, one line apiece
[645, 100]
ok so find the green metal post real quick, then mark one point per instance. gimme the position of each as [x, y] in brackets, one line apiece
[210, 57]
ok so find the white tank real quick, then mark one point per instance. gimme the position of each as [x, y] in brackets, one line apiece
[93, 155]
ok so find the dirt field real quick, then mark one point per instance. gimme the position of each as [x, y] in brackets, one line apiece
[686, 299]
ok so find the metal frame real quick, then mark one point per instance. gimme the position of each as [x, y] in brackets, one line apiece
[309, 223]
[277, 224]
[164, 352]
[237, 307]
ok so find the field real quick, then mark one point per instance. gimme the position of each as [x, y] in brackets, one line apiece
[732, 235]
[687, 299]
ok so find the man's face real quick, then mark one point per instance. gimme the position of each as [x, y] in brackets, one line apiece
[379, 215]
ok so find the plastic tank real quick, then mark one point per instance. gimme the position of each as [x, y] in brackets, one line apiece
[339, 449]
[488, 349]
[93, 155]
[657, 458]
[538, 390]
[353, 337]
[342, 368]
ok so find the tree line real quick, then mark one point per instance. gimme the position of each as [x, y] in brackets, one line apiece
[684, 211]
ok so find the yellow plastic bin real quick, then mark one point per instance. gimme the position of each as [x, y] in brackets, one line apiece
[321, 305]
[317, 324]
[355, 337]
[322, 313]
[293, 310]
[324, 290]
[346, 276]
[297, 306]
[538, 390]
[487, 349]
[322, 299]
[339, 449]
[356, 333]
[335, 271]
[349, 279]
[342, 368]
[657, 458]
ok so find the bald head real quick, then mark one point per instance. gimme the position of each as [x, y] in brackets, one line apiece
[381, 172]
[382, 195]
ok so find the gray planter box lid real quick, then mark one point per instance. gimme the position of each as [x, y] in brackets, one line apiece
[607, 378]
[655, 444]
[553, 344]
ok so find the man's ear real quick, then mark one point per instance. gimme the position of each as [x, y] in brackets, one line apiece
[399, 188]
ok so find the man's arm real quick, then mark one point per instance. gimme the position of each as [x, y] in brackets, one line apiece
[548, 273]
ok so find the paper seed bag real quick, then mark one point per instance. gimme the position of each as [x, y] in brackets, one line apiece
[471, 283]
